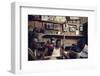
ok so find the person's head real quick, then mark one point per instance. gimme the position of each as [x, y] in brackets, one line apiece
[48, 41]
[81, 43]
[58, 43]
[53, 41]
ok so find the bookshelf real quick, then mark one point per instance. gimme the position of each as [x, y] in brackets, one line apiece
[68, 31]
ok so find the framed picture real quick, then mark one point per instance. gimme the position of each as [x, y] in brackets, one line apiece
[27, 58]
[72, 28]
[49, 26]
[57, 27]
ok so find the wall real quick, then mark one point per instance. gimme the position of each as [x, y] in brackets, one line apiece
[5, 36]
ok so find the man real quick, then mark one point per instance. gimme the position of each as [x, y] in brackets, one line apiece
[84, 52]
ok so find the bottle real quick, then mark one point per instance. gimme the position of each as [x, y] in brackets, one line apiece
[81, 28]
[77, 32]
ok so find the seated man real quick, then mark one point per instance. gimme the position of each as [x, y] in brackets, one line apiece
[48, 49]
[58, 51]
[81, 48]
[84, 52]
[53, 51]
[84, 48]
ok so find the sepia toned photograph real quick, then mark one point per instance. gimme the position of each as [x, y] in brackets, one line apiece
[57, 37]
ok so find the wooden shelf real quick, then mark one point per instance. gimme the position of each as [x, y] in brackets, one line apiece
[62, 36]
[73, 23]
[50, 22]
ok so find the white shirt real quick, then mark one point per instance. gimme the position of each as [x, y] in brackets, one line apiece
[56, 53]
[84, 52]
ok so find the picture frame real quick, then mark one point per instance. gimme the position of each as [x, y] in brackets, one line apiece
[57, 26]
[19, 62]
[72, 28]
[49, 26]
